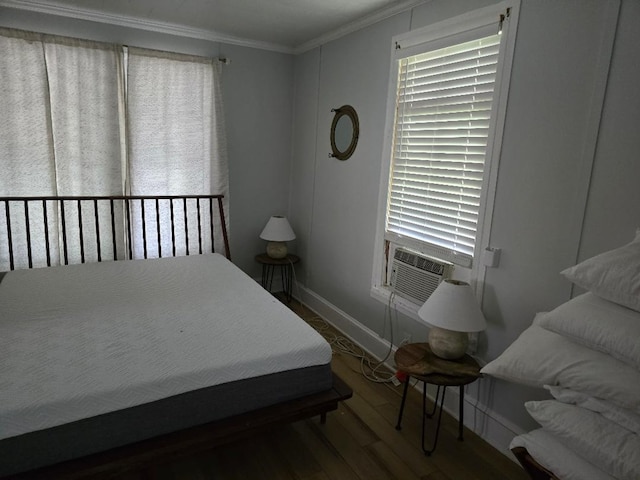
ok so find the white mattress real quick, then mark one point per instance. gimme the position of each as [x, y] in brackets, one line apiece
[83, 340]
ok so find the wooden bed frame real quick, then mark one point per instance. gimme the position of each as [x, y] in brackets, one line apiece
[93, 207]
[170, 446]
[533, 468]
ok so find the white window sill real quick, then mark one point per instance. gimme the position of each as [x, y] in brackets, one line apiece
[406, 307]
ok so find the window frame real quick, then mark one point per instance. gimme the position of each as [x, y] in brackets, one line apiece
[432, 37]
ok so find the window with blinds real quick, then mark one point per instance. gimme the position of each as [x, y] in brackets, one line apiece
[442, 123]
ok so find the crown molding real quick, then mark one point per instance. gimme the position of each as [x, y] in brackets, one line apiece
[200, 34]
[359, 24]
[141, 24]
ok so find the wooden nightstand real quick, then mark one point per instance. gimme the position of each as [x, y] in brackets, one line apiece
[418, 361]
[286, 271]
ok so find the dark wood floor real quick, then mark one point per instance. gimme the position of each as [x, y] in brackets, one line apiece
[359, 441]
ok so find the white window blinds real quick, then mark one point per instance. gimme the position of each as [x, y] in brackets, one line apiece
[443, 114]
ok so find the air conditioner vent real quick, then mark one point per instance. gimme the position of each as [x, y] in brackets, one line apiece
[414, 276]
[418, 261]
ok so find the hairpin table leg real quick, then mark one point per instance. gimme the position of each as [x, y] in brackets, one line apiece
[404, 398]
[425, 415]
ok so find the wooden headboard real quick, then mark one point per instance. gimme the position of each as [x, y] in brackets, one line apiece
[45, 231]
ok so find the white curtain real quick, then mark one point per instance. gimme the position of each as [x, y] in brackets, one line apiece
[176, 143]
[86, 95]
[69, 121]
[60, 136]
[25, 130]
[26, 145]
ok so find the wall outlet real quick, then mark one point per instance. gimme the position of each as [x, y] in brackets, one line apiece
[406, 338]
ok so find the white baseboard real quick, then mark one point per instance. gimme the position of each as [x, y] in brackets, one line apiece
[489, 425]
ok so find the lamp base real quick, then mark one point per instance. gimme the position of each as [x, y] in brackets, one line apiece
[448, 344]
[277, 250]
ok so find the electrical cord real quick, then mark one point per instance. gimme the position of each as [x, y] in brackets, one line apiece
[369, 368]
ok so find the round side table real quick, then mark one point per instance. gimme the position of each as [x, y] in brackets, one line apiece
[418, 361]
[286, 271]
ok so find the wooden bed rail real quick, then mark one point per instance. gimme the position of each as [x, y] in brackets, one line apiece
[78, 229]
[533, 468]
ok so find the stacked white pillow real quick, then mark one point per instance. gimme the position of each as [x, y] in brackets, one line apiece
[587, 354]
[613, 275]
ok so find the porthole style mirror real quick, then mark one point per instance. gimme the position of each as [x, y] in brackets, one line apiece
[344, 132]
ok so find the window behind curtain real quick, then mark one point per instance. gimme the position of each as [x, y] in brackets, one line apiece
[64, 132]
[86, 101]
[174, 111]
[25, 137]
[60, 133]
[25, 127]
[442, 122]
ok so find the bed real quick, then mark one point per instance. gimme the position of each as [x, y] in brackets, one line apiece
[108, 365]
[586, 354]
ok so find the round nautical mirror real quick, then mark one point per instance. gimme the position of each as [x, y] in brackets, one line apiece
[344, 132]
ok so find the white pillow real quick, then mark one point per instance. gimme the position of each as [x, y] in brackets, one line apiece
[608, 446]
[598, 324]
[613, 275]
[623, 417]
[556, 457]
[539, 357]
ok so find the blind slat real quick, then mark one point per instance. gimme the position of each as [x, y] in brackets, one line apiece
[435, 212]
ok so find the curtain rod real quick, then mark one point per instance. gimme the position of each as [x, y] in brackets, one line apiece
[223, 60]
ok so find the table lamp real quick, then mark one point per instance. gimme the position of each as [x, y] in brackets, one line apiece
[277, 231]
[452, 312]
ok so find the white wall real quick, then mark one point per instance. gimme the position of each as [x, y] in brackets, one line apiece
[342, 222]
[545, 183]
[613, 209]
[258, 96]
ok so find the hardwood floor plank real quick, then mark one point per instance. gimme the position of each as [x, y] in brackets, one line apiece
[437, 476]
[392, 462]
[289, 446]
[240, 461]
[358, 429]
[359, 459]
[317, 476]
[188, 469]
[269, 464]
[333, 465]
[408, 451]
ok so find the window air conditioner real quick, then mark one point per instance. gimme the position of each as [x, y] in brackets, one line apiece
[414, 276]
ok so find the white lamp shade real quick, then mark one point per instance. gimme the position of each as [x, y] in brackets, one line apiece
[453, 306]
[277, 229]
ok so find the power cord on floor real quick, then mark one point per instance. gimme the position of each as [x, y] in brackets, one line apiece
[369, 368]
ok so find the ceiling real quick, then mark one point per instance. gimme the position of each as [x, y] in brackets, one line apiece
[282, 25]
